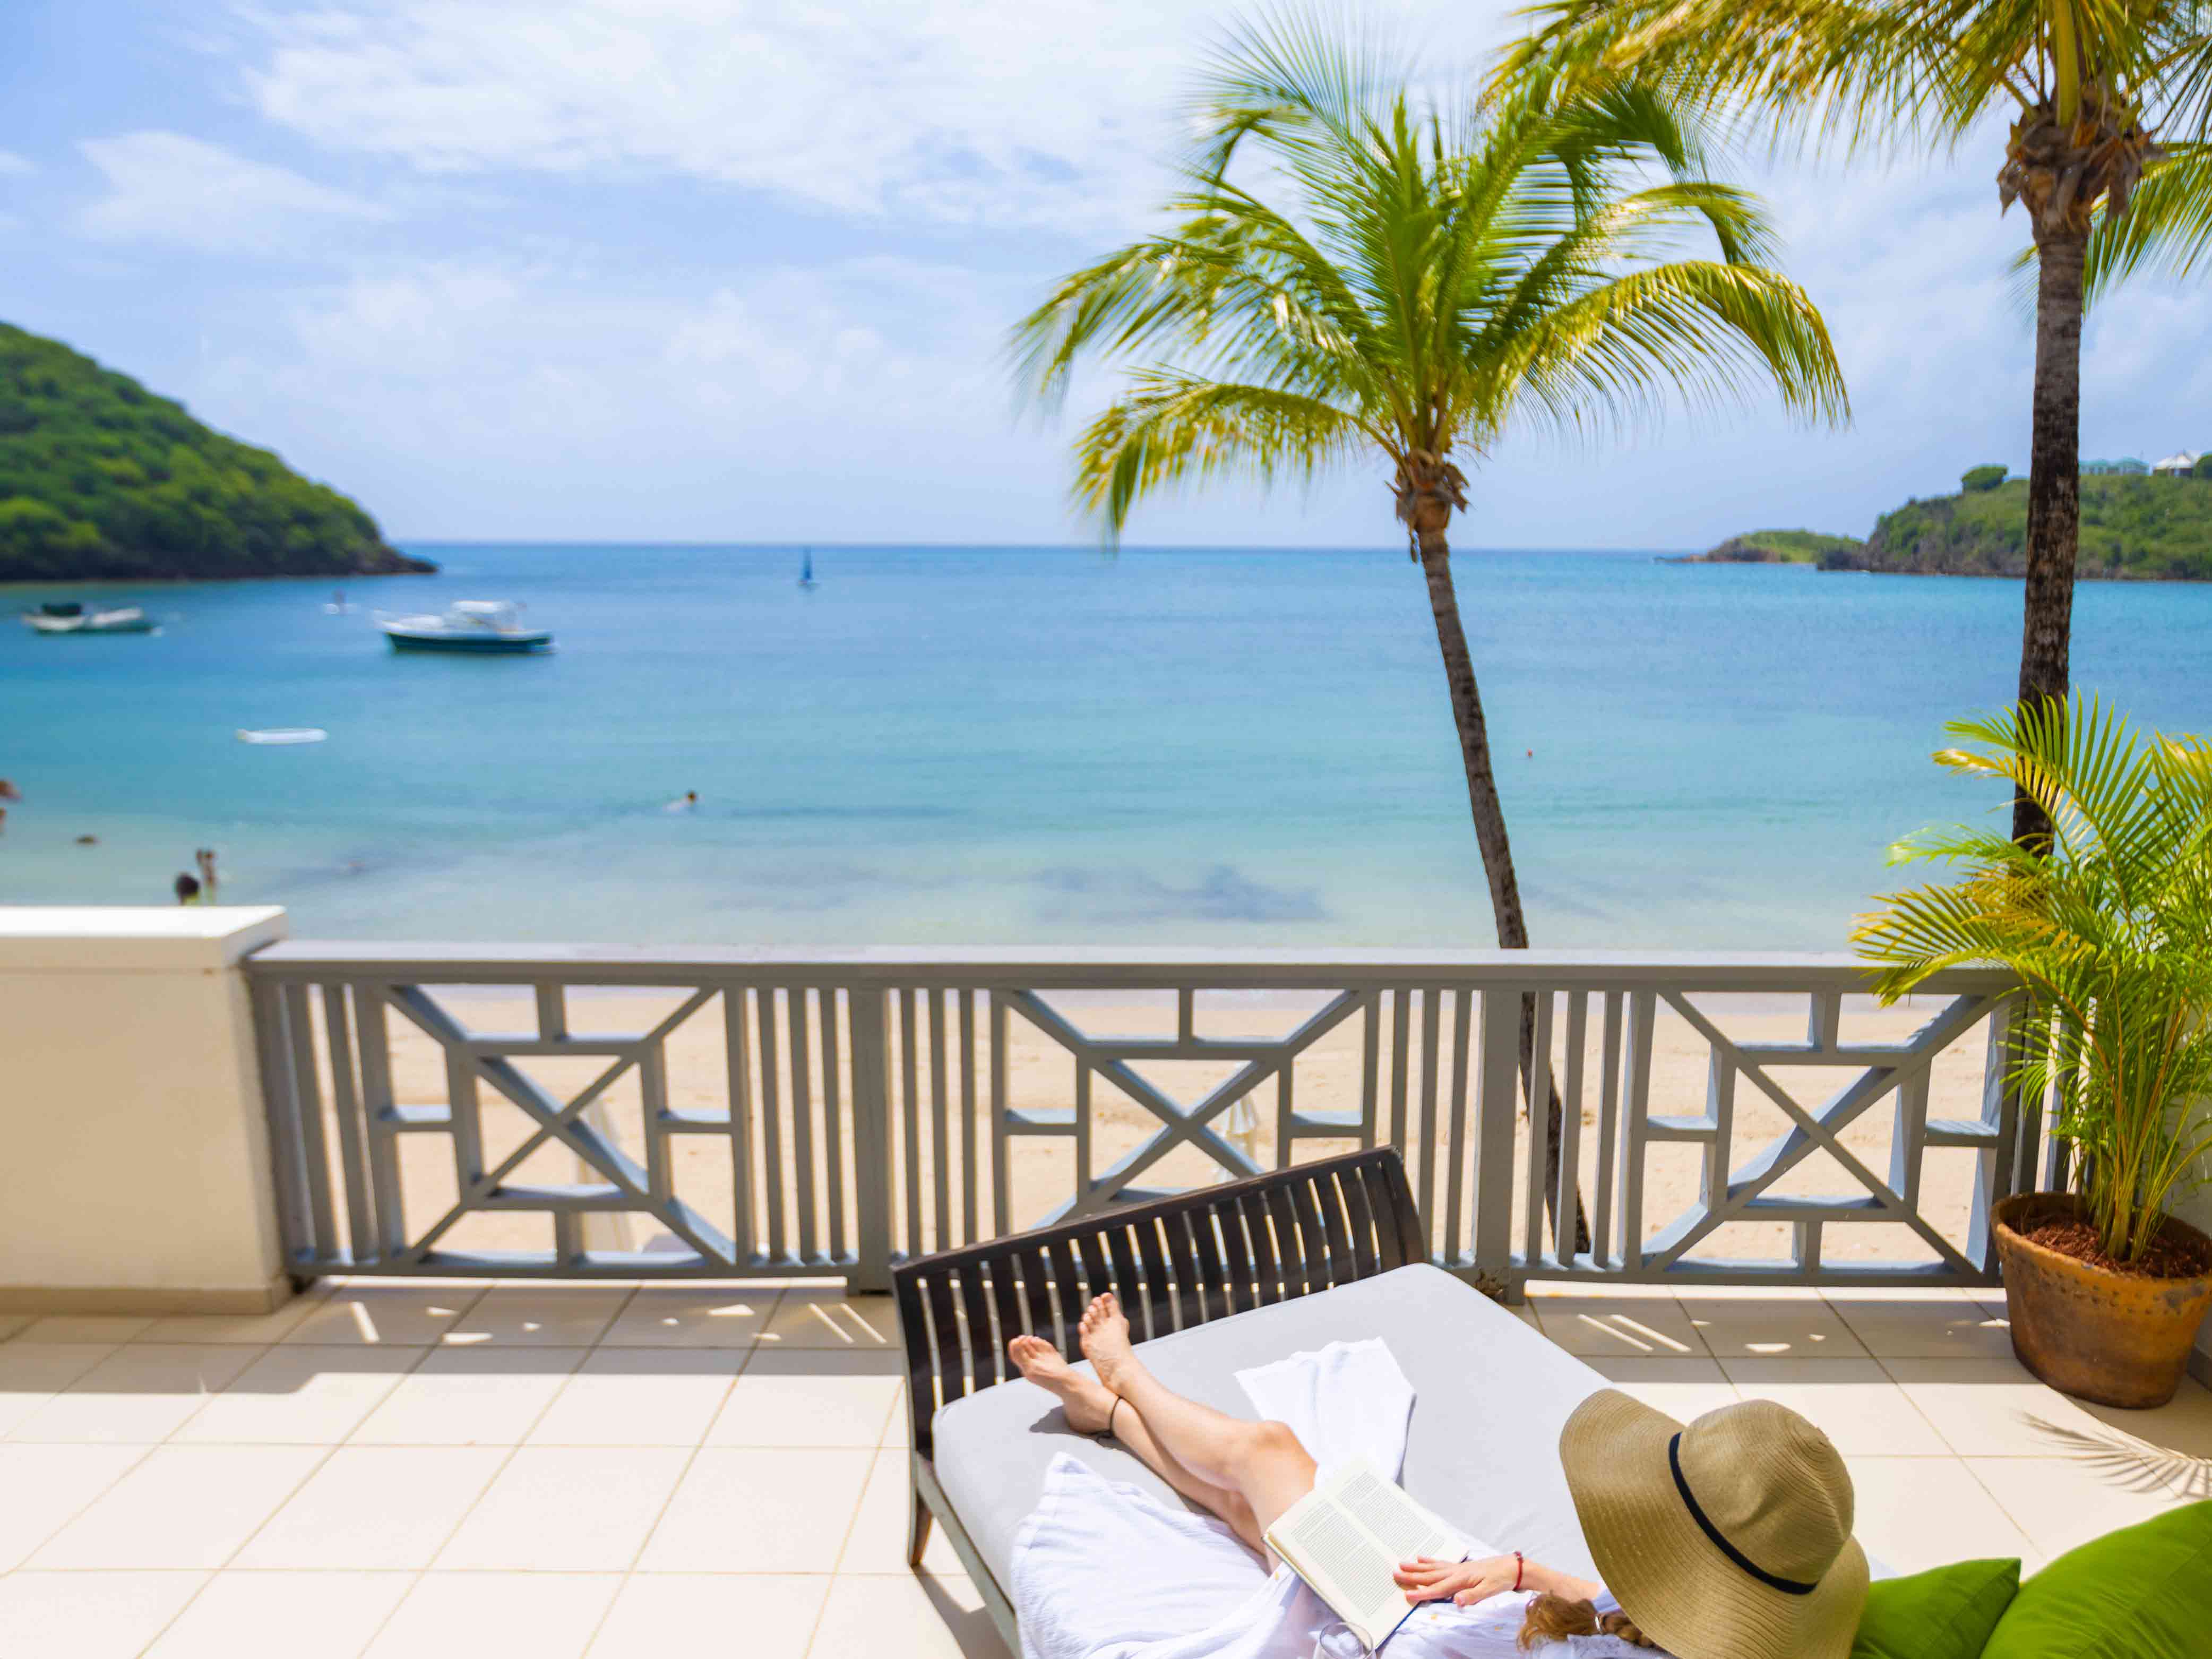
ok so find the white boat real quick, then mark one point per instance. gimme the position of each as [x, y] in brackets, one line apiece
[283, 734]
[472, 625]
[69, 616]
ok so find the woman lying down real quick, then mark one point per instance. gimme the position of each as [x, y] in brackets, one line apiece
[1729, 1538]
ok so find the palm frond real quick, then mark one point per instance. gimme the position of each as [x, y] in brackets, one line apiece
[1705, 332]
[1172, 429]
[1878, 74]
[2168, 227]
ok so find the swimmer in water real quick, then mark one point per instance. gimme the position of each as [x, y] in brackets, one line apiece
[686, 802]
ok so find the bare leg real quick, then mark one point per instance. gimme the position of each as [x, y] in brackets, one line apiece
[1089, 1408]
[1262, 1462]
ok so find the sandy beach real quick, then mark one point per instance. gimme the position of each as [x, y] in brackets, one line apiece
[1041, 1079]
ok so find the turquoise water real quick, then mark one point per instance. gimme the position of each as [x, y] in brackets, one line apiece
[1046, 745]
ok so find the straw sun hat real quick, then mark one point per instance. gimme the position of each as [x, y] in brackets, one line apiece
[1729, 1538]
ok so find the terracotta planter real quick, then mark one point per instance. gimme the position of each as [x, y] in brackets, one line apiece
[2112, 1338]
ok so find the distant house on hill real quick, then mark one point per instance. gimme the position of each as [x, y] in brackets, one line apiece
[2126, 466]
[2176, 466]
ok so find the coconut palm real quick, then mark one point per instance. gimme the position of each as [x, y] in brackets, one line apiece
[1404, 283]
[2108, 924]
[2103, 97]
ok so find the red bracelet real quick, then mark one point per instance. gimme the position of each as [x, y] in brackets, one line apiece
[1518, 1564]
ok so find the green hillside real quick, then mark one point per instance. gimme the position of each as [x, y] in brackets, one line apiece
[1778, 547]
[99, 478]
[2131, 527]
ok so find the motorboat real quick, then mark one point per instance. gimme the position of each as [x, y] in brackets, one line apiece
[484, 626]
[282, 736]
[72, 616]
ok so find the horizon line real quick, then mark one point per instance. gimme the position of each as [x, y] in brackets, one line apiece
[1009, 547]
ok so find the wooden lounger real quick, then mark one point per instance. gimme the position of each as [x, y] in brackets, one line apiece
[1216, 1281]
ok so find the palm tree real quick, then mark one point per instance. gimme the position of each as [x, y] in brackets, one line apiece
[2099, 93]
[1411, 282]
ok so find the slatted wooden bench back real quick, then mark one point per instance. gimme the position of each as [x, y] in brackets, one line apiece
[1175, 1263]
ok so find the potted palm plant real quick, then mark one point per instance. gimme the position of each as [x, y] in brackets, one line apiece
[2108, 923]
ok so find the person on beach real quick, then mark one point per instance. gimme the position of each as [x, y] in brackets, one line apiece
[204, 860]
[187, 889]
[1729, 1538]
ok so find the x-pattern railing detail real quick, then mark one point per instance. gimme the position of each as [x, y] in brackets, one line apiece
[858, 1109]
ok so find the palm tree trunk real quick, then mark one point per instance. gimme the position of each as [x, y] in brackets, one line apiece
[2054, 491]
[1490, 837]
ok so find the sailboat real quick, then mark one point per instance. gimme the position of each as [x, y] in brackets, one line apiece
[807, 569]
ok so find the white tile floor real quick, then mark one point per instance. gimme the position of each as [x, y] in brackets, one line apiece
[418, 1470]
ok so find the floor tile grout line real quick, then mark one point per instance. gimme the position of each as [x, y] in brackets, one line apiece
[144, 1452]
[1897, 1383]
[330, 1450]
[430, 1562]
[2003, 1509]
[217, 1570]
[660, 1516]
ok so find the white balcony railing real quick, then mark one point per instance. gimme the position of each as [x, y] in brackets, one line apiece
[630, 1113]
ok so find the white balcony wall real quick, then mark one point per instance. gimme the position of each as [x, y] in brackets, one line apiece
[134, 1170]
[2197, 1207]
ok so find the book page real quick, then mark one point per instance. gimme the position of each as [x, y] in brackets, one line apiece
[1394, 1521]
[1347, 1536]
[1327, 1549]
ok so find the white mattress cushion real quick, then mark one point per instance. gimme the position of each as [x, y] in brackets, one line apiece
[1491, 1396]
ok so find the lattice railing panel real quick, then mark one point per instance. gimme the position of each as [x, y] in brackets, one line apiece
[726, 1115]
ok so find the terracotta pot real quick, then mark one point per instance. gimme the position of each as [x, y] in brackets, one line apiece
[2113, 1337]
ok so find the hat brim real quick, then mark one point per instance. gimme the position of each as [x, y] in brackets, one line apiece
[1681, 1591]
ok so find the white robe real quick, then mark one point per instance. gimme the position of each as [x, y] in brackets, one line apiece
[1104, 1570]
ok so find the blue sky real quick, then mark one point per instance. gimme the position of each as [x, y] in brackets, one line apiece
[710, 270]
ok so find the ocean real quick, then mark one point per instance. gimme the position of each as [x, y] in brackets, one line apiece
[1036, 745]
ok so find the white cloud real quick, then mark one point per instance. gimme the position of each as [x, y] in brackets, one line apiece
[641, 379]
[489, 398]
[967, 110]
[11, 163]
[179, 191]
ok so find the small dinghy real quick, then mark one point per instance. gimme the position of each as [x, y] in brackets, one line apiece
[69, 616]
[283, 734]
[483, 626]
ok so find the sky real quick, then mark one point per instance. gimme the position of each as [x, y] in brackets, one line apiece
[725, 270]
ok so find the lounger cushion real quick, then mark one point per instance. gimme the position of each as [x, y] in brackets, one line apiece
[1946, 1613]
[2144, 1592]
[1482, 1451]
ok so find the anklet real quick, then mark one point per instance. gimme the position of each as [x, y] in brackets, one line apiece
[1110, 1410]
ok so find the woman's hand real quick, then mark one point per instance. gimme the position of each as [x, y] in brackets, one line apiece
[1465, 1582]
[1469, 1582]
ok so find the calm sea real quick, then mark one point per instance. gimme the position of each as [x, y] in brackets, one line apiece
[1036, 745]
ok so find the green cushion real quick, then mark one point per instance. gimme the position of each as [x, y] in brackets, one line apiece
[1947, 1613]
[2144, 1592]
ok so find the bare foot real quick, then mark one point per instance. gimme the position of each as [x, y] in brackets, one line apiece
[1087, 1401]
[1106, 1340]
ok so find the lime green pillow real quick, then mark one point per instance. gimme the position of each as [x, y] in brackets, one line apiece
[2144, 1592]
[1947, 1613]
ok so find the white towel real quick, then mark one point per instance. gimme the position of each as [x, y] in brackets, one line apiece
[1104, 1570]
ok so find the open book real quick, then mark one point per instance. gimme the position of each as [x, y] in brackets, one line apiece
[1347, 1534]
